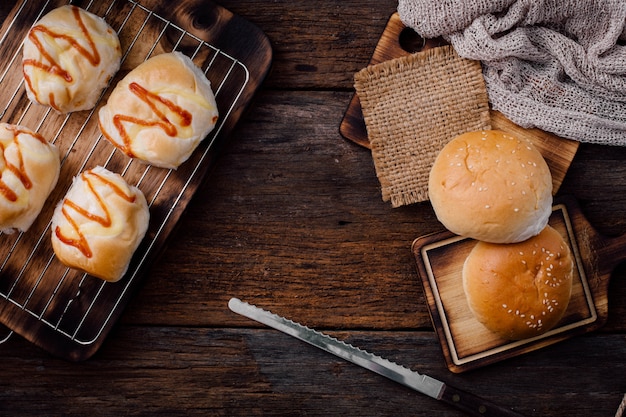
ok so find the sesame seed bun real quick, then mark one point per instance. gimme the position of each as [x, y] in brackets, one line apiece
[519, 290]
[491, 186]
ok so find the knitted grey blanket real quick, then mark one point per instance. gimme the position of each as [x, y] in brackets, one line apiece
[559, 65]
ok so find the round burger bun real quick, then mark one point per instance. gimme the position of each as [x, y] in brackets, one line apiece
[519, 290]
[491, 186]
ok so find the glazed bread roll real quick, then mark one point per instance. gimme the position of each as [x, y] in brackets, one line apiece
[99, 224]
[29, 170]
[491, 186]
[69, 56]
[519, 290]
[160, 111]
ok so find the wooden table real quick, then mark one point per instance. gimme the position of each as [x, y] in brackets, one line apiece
[291, 219]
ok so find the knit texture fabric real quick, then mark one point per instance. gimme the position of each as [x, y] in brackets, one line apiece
[559, 65]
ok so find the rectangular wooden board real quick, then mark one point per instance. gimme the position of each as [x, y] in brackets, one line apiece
[465, 342]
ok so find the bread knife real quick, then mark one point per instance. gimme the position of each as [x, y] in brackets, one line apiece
[469, 403]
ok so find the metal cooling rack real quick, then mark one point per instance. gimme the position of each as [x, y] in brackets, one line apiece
[31, 278]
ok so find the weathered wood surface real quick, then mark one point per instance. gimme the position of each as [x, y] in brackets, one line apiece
[291, 219]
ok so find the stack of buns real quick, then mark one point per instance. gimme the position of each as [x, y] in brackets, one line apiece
[158, 113]
[496, 188]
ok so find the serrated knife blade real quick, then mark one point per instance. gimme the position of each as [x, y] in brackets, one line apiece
[425, 384]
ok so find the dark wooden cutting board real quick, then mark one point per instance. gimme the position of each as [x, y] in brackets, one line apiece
[465, 342]
[59, 309]
[396, 41]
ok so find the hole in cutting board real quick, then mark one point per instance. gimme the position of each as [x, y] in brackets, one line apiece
[410, 41]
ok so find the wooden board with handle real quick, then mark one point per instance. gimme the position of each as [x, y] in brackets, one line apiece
[465, 342]
[66, 312]
[396, 41]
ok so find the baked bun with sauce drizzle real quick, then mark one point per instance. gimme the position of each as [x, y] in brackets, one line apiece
[29, 171]
[99, 224]
[69, 56]
[519, 290]
[491, 186]
[160, 111]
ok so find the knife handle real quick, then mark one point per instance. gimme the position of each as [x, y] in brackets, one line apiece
[472, 404]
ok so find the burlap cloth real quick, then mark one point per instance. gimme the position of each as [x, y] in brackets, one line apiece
[559, 65]
[412, 107]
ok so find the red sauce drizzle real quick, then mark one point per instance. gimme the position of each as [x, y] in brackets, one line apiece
[152, 100]
[80, 242]
[19, 171]
[53, 67]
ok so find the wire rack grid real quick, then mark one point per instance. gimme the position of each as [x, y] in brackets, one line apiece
[74, 305]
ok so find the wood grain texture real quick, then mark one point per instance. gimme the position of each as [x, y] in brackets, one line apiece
[291, 219]
[244, 372]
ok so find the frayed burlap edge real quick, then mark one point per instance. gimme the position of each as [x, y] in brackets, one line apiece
[412, 106]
